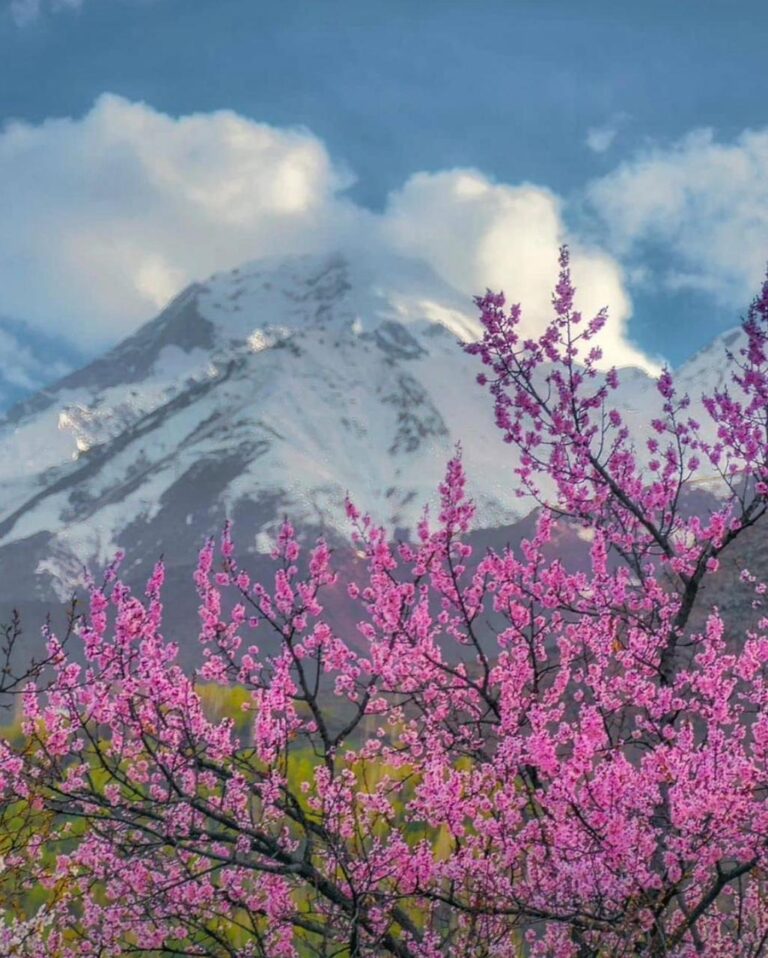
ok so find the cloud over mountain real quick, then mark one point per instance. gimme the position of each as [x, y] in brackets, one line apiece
[478, 234]
[109, 215]
[705, 202]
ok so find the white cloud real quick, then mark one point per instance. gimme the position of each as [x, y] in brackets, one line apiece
[705, 202]
[107, 216]
[27, 11]
[17, 364]
[26, 363]
[600, 138]
[24, 11]
[479, 234]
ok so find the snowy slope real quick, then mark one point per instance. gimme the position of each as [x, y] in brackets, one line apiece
[272, 389]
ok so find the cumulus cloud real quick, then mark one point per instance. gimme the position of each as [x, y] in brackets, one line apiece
[479, 234]
[107, 216]
[704, 201]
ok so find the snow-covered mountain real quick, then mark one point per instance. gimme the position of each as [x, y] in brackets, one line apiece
[272, 389]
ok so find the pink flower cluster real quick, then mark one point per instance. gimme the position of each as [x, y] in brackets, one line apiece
[506, 756]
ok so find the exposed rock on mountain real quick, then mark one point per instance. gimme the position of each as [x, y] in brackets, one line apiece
[272, 389]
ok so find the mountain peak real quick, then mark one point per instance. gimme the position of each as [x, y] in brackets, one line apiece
[344, 289]
[274, 388]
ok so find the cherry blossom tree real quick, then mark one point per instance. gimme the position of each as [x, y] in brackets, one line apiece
[508, 756]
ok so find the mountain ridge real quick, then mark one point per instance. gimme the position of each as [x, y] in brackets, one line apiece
[274, 388]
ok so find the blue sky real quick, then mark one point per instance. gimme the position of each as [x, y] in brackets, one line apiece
[602, 107]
